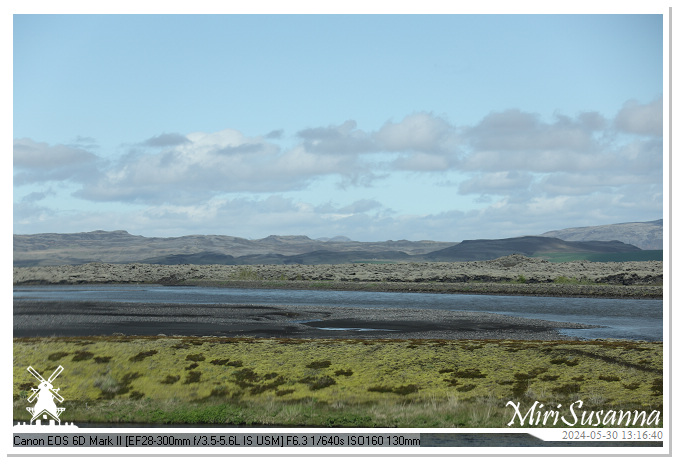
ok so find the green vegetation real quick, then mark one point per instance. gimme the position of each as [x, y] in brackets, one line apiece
[247, 273]
[643, 255]
[375, 261]
[356, 383]
[574, 281]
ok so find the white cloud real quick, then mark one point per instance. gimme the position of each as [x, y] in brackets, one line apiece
[422, 162]
[503, 182]
[360, 206]
[418, 132]
[210, 164]
[255, 217]
[181, 169]
[545, 172]
[30, 154]
[39, 162]
[514, 140]
[165, 140]
[643, 119]
[343, 140]
[588, 183]
[514, 130]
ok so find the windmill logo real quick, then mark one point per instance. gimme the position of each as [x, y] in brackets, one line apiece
[46, 398]
[45, 406]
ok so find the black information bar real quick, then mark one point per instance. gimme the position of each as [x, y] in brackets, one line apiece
[169, 440]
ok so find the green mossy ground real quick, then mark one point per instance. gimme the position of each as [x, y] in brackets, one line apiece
[357, 383]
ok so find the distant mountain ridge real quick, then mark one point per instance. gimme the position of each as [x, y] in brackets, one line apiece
[120, 247]
[645, 235]
[482, 250]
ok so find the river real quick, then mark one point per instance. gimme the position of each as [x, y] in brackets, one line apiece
[616, 318]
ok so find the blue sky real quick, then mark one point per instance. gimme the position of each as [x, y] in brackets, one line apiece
[376, 127]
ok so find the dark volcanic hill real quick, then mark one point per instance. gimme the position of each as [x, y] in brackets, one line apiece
[480, 250]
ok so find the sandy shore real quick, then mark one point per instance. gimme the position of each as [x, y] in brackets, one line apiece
[37, 319]
[508, 275]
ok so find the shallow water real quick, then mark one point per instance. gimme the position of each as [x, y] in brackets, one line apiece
[623, 319]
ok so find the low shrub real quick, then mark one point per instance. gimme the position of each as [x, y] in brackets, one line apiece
[318, 365]
[82, 356]
[470, 374]
[520, 388]
[379, 389]
[170, 379]
[219, 362]
[566, 389]
[57, 356]
[466, 388]
[566, 361]
[656, 387]
[193, 377]
[318, 383]
[219, 391]
[406, 389]
[143, 355]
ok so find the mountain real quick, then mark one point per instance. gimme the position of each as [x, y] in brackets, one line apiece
[314, 257]
[481, 250]
[645, 235]
[121, 247]
[620, 242]
[338, 238]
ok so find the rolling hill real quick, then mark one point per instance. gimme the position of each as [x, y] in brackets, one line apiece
[645, 235]
[120, 247]
[482, 250]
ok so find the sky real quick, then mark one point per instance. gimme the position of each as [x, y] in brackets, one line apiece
[375, 127]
